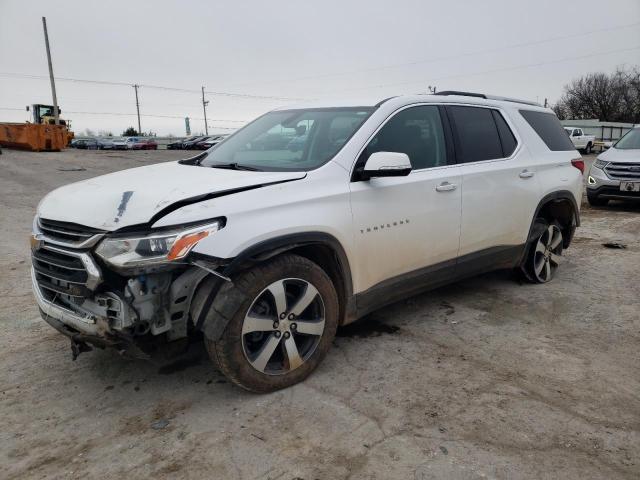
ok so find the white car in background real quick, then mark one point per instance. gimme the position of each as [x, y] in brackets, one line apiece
[615, 175]
[119, 144]
[580, 140]
[266, 247]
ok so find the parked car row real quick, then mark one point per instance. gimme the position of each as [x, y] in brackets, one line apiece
[129, 143]
[196, 143]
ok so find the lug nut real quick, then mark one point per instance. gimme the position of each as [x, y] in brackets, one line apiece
[275, 324]
[287, 334]
[291, 316]
[282, 315]
[277, 334]
[293, 326]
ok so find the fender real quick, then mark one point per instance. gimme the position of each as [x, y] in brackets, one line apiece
[209, 313]
[274, 246]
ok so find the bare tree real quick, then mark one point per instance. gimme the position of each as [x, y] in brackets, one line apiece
[613, 98]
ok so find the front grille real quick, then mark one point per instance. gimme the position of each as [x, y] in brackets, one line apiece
[623, 171]
[68, 233]
[61, 276]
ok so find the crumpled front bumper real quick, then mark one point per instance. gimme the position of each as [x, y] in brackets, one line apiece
[55, 315]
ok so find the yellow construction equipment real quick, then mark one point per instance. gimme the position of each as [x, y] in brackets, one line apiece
[41, 135]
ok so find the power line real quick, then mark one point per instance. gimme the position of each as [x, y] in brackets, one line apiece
[151, 115]
[444, 57]
[146, 85]
[497, 70]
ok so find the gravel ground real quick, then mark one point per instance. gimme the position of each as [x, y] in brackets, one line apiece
[487, 378]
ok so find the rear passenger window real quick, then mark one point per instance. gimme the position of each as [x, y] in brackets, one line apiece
[416, 131]
[548, 128]
[506, 135]
[476, 134]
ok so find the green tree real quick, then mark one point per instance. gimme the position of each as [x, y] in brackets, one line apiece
[130, 132]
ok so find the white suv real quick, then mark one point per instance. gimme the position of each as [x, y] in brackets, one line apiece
[304, 220]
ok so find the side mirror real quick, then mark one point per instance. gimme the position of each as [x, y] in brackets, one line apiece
[386, 164]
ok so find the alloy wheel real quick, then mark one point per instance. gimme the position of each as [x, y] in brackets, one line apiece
[547, 254]
[283, 326]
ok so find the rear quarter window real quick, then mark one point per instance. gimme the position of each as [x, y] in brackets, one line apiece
[549, 129]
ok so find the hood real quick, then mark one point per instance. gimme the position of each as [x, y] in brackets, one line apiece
[621, 155]
[135, 196]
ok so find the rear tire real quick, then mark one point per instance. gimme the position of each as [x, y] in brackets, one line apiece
[544, 253]
[282, 326]
[587, 149]
[596, 201]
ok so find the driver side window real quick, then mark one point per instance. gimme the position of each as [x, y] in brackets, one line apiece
[416, 131]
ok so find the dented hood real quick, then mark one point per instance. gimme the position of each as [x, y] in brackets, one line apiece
[137, 195]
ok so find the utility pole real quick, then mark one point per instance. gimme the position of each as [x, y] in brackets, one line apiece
[204, 109]
[546, 104]
[135, 87]
[56, 110]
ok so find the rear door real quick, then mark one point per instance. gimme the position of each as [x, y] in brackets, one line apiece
[406, 224]
[500, 189]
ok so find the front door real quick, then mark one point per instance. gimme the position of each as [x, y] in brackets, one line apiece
[405, 225]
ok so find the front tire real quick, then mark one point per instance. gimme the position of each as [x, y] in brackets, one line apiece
[543, 257]
[282, 327]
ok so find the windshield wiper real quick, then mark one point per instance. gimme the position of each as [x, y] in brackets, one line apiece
[235, 166]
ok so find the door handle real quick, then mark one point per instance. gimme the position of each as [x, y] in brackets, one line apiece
[446, 187]
[526, 174]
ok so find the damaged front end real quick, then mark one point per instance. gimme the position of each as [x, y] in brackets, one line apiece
[126, 291]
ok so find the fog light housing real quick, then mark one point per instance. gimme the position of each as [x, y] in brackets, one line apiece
[591, 180]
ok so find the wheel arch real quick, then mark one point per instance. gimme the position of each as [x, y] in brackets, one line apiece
[319, 247]
[560, 205]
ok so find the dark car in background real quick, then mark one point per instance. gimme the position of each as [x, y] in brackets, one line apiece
[208, 142]
[191, 144]
[179, 144]
[86, 144]
[144, 144]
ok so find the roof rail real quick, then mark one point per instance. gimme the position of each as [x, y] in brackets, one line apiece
[488, 97]
[462, 94]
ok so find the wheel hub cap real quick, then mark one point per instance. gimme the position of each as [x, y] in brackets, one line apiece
[283, 326]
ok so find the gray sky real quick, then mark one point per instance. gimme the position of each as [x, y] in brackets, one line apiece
[298, 50]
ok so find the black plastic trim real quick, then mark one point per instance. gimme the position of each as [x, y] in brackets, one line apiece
[274, 246]
[433, 276]
[613, 193]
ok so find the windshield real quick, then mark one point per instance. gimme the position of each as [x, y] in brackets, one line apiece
[289, 140]
[630, 141]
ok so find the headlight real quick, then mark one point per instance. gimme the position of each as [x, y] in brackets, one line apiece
[154, 248]
[600, 164]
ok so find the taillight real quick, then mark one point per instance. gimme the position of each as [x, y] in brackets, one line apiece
[578, 163]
